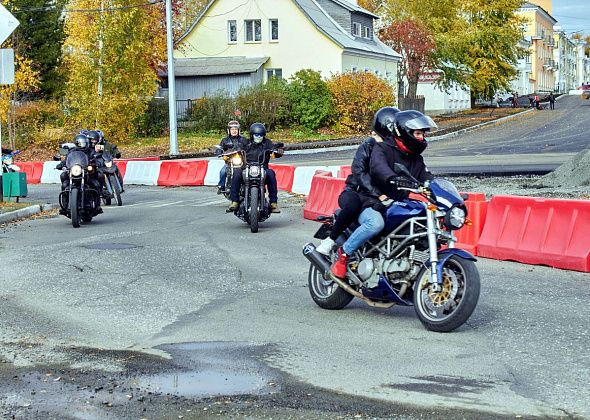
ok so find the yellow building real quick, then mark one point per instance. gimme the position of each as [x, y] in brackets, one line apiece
[237, 43]
[539, 30]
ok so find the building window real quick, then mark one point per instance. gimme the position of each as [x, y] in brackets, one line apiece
[270, 73]
[232, 31]
[253, 30]
[366, 32]
[274, 29]
[356, 29]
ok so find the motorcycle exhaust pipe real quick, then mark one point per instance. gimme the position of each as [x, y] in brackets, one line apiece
[316, 259]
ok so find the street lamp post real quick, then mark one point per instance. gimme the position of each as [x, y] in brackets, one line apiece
[171, 81]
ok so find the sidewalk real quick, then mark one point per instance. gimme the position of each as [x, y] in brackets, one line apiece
[32, 209]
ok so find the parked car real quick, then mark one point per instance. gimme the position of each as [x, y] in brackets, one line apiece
[584, 87]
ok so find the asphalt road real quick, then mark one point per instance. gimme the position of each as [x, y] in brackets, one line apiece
[93, 321]
[534, 141]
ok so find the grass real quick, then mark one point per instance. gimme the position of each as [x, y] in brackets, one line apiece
[8, 206]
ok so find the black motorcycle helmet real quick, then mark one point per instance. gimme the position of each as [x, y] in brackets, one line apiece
[406, 122]
[257, 132]
[94, 136]
[233, 124]
[81, 141]
[384, 120]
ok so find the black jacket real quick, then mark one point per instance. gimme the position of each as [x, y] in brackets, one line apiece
[229, 143]
[382, 159]
[255, 151]
[360, 179]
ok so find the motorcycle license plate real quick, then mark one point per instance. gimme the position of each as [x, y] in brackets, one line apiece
[324, 231]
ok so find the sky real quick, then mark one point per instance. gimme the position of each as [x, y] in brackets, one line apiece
[572, 15]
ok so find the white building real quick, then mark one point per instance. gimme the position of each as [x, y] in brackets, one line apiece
[437, 101]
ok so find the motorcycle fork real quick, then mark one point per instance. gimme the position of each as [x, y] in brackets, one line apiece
[433, 250]
[107, 184]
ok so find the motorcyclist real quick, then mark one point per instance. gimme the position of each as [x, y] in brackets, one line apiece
[82, 143]
[100, 145]
[349, 200]
[255, 149]
[233, 141]
[403, 133]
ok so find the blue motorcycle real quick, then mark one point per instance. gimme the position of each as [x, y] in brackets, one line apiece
[412, 262]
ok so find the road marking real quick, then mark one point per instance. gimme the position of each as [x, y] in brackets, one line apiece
[167, 204]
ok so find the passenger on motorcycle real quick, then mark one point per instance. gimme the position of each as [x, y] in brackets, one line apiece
[100, 145]
[256, 148]
[82, 142]
[403, 134]
[233, 141]
[349, 200]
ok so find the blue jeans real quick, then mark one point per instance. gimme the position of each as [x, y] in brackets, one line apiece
[371, 224]
[222, 175]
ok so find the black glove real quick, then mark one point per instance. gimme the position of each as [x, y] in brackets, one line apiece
[60, 165]
[398, 181]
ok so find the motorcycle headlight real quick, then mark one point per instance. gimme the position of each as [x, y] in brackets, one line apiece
[89, 168]
[455, 218]
[236, 160]
[108, 164]
[254, 171]
[76, 170]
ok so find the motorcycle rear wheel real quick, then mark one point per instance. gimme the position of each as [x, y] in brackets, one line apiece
[254, 210]
[448, 309]
[74, 210]
[326, 293]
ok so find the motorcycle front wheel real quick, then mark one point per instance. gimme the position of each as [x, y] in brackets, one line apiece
[326, 293]
[448, 309]
[254, 209]
[74, 207]
[116, 189]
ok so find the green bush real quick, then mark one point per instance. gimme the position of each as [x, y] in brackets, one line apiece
[154, 122]
[309, 99]
[267, 103]
[38, 124]
[212, 113]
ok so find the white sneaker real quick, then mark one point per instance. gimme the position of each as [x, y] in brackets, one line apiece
[325, 246]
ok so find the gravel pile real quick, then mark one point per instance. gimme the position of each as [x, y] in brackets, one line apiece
[575, 173]
[522, 185]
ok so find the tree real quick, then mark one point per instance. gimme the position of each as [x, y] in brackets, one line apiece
[310, 99]
[482, 49]
[111, 62]
[39, 37]
[414, 42]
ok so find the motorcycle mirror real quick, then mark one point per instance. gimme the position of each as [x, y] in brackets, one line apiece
[279, 145]
[56, 157]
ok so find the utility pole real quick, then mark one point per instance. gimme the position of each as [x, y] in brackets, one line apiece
[171, 81]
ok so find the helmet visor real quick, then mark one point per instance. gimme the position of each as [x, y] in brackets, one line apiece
[424, 122]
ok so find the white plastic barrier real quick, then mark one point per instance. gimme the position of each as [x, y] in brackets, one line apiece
[50, 175]
[304, 175]
[213, 168]
[142, 172]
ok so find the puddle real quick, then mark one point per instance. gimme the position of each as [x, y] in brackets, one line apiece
[210, 369]
[201, 384]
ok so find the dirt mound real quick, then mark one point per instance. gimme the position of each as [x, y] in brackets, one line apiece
[574, 173]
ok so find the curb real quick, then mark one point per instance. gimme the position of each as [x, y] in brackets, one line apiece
[26, 212]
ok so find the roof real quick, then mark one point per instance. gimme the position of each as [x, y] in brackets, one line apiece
[339, 35]
[209, 66]
[328, 26]
[529, 5]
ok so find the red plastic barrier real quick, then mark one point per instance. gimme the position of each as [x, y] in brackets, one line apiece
[538, 231]
[323, 195]
[122, 165]
[468, 236]
[285, 175]
[344, 171]
[182, 172]
[34, 170]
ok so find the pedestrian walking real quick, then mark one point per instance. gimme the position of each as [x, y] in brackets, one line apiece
[551, 101]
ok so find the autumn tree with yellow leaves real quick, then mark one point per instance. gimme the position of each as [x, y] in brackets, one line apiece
[111, 55]
[26, 80]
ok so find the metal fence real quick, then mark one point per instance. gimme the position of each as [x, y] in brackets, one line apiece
[411, 103]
